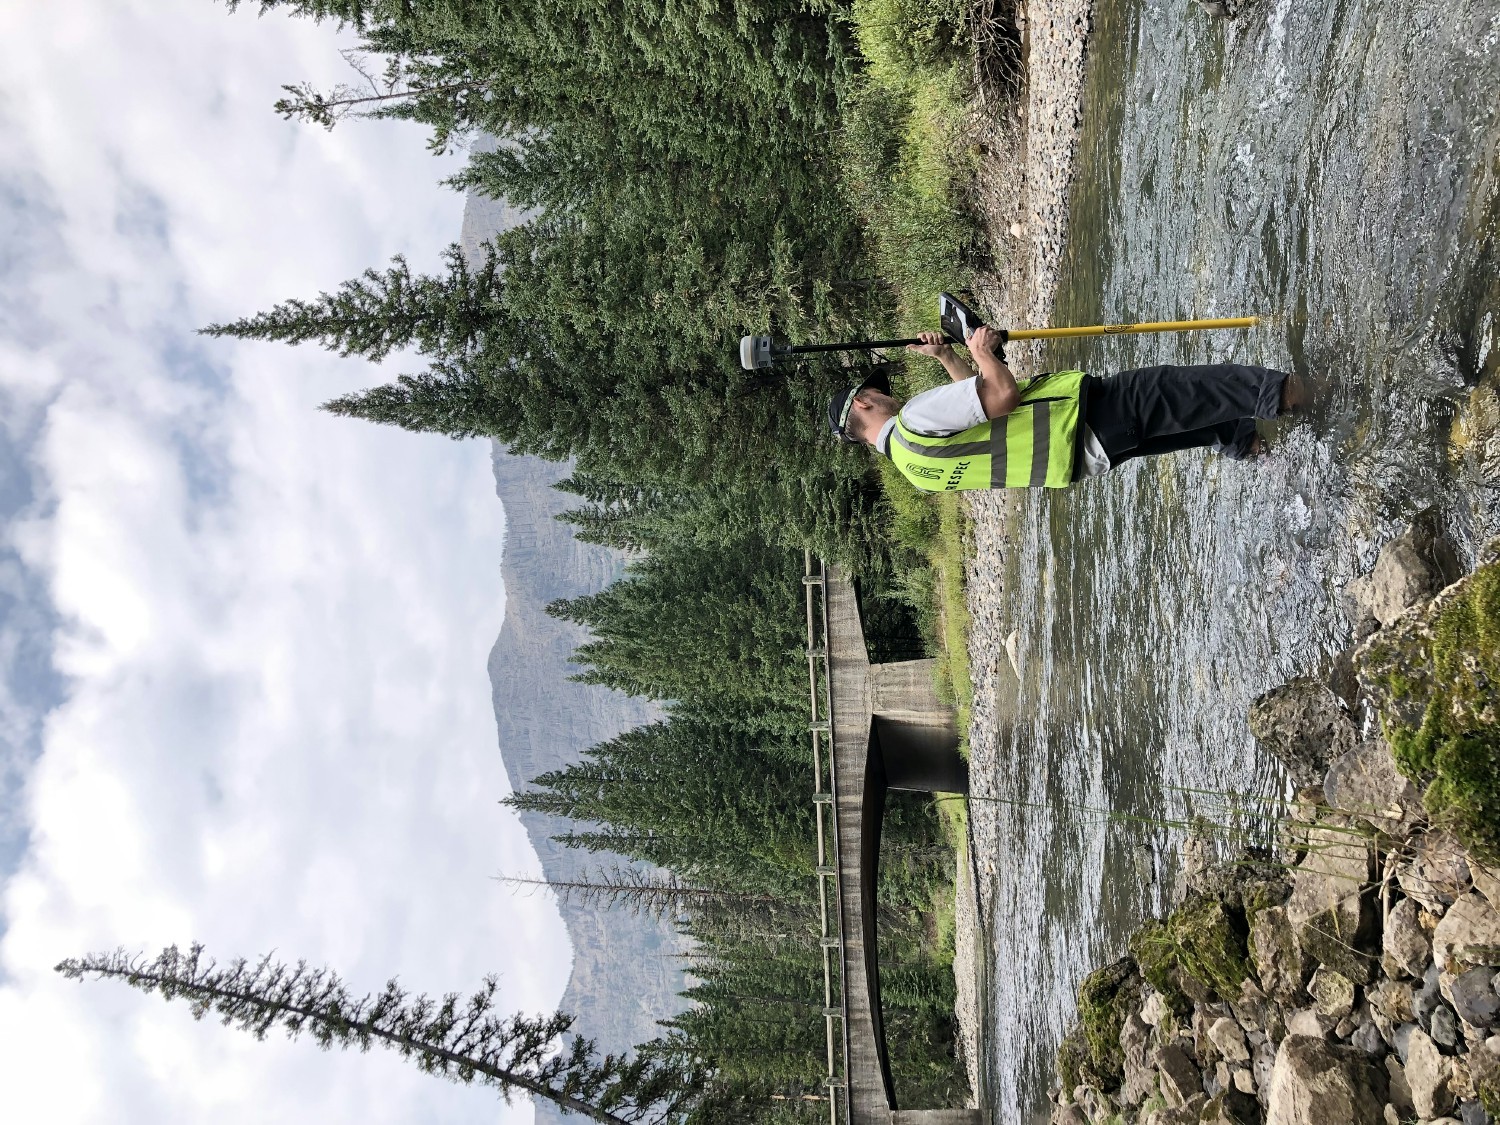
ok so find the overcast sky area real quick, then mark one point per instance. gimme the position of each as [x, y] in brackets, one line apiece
[243, 696]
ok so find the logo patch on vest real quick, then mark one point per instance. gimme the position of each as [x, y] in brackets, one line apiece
[955, 476]
[930, 472]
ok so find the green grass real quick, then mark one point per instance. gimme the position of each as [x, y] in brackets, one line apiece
[907, 169]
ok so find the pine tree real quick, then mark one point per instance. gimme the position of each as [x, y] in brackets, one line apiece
[462, 1040]
[380, 312]
[653, 893]
[719, 621]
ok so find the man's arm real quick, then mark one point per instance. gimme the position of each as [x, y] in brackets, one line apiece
[998, 393]
[934, 345]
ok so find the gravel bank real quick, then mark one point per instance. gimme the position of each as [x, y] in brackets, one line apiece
[1023, 187]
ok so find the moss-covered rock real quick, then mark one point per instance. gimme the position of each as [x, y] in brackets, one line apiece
[1262, 895]
[1154, 950]
[1090, 1053]
[1196, 954]
[1434, 678]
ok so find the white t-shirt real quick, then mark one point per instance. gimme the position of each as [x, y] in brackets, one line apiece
[955, 407]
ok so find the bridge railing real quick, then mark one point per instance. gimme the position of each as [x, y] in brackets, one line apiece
[825, 800]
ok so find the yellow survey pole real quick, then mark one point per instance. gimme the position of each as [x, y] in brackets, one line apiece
[1122, 329]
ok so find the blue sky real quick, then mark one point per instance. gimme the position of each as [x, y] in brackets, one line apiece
[243, 696]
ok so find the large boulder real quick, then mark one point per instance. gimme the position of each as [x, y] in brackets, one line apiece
[1135, 1047]
[1279, 961]
[1398, 1090]
[1365, 782]
[1230, 1107]
[1196, 953]
[1228, 1039]
[1180, 1079]
[1332, 993]
[1090, 1053]
[1185, 1114]
[1474, 998]
[1331, 910]
[1392, 999]
[1316, 1083]
[1305, 725]
[1224, 9]
[1486, 880]
[1484, 1067]
[1438, 872]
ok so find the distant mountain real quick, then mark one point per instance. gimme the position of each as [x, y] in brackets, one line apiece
[626, 969]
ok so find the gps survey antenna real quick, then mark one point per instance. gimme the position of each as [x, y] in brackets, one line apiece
[958, 323]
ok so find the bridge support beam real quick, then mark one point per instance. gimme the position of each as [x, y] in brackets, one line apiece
[936, 1117]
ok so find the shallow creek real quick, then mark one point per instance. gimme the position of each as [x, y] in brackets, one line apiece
[1332, 166]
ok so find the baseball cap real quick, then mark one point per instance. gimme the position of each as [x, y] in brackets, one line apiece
[841, 404]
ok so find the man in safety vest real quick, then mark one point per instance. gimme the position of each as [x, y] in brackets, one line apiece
[987, 430]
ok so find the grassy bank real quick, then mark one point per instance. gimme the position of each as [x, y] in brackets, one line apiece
[908, 171]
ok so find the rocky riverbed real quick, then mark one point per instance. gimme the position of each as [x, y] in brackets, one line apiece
[1351, 973]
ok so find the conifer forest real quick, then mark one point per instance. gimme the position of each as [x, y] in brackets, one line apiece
[691, 170]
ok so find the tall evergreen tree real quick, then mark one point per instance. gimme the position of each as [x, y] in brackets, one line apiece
[464, 1041]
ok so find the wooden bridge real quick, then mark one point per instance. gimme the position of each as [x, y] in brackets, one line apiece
[887, 730]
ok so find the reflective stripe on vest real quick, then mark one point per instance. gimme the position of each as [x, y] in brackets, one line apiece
[1031, 447]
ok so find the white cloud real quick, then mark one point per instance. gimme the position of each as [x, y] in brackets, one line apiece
[272, 623]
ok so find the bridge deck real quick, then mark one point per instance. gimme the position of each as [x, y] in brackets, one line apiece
[888, 730]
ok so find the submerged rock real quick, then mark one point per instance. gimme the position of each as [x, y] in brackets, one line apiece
[1304, 724]
[1475, 434]
[1231, 1107]
[1224, 9]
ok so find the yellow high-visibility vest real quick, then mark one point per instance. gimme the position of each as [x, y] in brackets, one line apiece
[1034, 446]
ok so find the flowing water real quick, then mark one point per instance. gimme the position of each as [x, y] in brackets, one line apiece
[1332, 165]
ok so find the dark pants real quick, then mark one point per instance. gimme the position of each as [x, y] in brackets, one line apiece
[1162, 409]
